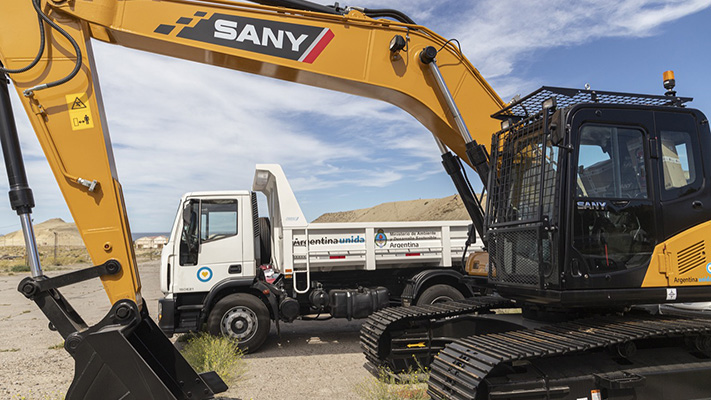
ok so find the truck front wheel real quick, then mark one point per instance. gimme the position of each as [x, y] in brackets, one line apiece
[243, 317]
[439, 294]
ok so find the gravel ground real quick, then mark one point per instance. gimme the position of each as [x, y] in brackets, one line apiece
[309, 360]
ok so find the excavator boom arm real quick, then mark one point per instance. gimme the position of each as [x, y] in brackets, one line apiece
[348, 53]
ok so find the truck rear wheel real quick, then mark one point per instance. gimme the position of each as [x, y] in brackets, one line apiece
[243, 317]
[439, 294]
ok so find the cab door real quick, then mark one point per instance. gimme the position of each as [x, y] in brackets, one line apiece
[613, 224]
[211, 244]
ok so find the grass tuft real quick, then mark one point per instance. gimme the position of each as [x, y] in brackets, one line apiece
[57, 346]
[206, 352]
[20, 268]
[39, 396]
[409, 385]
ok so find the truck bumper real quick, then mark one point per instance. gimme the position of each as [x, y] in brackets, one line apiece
[166, 316]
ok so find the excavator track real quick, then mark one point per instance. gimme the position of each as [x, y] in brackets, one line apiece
[399, 339]
[462, 365]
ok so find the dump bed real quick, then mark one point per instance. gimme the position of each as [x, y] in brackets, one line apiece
[371, 245]
[298, 246]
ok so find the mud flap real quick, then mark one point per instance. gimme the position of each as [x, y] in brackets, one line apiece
[127, 357]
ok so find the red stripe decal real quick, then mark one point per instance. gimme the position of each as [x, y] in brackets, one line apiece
[337, 257]
[316, 51]
[412, 254]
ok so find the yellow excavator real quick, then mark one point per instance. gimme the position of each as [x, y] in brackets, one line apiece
[596, 201]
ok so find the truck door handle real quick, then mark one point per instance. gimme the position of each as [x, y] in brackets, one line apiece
[697, 204]
[235, 269]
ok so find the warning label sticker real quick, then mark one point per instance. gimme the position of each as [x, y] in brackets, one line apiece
[80, 115]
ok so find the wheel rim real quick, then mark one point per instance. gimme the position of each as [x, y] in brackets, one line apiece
[240, 323]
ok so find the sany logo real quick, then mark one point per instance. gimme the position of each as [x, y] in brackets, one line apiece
[225, 29]
[592, 205]
[302, 43]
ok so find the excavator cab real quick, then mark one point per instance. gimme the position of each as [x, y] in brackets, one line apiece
[597, 199]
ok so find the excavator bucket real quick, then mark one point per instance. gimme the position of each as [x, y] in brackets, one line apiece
[124, 357]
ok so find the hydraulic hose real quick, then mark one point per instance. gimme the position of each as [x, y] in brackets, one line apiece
[388, 12]
[299, 5]
[77, 51]
[335, 9]
[39, 52]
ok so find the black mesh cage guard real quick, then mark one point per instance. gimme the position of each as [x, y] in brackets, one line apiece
[566, 97]
[522, 200]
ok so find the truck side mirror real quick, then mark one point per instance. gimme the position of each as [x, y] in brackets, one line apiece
[187, 209]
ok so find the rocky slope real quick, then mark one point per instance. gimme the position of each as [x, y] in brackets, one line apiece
[447, 208]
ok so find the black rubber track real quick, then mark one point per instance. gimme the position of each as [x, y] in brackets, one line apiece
[382, 350]
[458, 369]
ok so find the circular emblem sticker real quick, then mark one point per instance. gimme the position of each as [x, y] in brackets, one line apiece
[204, 274]
[708, 268]
[380, 239]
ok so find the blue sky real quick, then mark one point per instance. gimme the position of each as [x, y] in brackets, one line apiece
[179, 126]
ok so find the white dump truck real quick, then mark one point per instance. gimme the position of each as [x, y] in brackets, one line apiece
[229, 271]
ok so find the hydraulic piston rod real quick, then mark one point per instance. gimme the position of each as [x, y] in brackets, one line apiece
[427, 56]
[21, 198]
[476, 152]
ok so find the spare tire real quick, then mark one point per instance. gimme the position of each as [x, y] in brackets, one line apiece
[265, 240]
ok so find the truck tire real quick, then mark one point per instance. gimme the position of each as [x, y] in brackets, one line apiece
[243, 317]
[438, 294]
[265, 240]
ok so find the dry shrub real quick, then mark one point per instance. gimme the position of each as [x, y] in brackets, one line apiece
[206, 352]
[409, 385]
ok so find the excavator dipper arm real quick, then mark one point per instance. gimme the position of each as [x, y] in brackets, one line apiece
[125, 355]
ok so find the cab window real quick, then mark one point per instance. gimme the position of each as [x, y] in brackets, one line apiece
[677, 159]
[679, 155]
[611, 163]
[188, 237]
[218, 219]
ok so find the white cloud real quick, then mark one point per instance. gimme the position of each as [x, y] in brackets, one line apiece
[497, 34]
[179, 126]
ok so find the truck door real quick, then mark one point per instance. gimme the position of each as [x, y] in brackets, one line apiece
[210, 244]
[614, 226]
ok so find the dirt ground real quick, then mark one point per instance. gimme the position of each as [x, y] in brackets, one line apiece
[310, 360]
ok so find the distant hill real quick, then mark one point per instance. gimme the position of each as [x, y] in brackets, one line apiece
[67, 234]
[447, 208]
